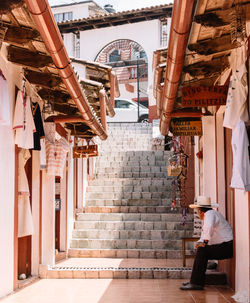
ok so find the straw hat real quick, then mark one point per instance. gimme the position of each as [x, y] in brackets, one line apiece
[203, 201]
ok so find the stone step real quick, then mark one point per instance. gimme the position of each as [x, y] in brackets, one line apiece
[131, 182]
[133, 225]
[143, 153]
[131, 175]
[133, 169]
[129, 202]
[128, 244]
[133, 147]
[127, 139]
[129, 188]
[128, 195]
[124, 157]
[132, 217]
[153, 269]
[131, 234]
[127, 253]
[100, 163]
[132, 163]
[116, 273]
[130, 209]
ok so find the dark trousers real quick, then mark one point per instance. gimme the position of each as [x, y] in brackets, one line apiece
[209, 252]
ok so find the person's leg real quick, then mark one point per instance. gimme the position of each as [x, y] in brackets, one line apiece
[209, 252]
[199, 266]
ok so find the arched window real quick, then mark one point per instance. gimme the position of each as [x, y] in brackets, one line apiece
[115, 56]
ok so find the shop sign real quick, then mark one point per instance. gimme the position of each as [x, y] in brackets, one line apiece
[193, 96]
[85, 151]
[186, 128]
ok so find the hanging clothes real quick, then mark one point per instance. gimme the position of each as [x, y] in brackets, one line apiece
[4, 101]
[50, 131]
[43, 163]
[56, 156]
[39, 133]
[23, 122]
[236, 106]
[241, 166]
[25, 221]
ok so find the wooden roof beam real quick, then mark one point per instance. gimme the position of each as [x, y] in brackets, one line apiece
[26, 57]
[8, 5]
[220, 17]
[42, 79]
[20, 35]
[207, 68]
[213, 46]
[56, 96]
[65, 119]
[187, 114]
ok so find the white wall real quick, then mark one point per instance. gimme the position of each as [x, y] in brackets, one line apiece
[146, 33]
[242, 242]
[7, 173]
[79, 11]
[209, 158]
[70, 198]
[35, 211]
[143, 86]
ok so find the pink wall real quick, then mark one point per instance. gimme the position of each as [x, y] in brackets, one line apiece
[242, 241]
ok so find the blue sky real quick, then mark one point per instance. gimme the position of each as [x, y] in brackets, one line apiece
[119, 5]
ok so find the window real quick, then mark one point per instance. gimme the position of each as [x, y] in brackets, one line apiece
[123, 104]
[164, 34]
[115, 56]
[76, 45]
[63, 16]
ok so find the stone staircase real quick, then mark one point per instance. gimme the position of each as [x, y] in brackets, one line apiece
[127, 213]
[128, 203]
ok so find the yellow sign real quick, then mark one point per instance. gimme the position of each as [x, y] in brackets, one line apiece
[187, 128]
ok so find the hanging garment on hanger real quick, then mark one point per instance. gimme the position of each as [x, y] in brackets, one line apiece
[39, 126]
[236, 106]
[241, 166]
[4, 101]
[56, 156]
[25, 220]
[23, 122]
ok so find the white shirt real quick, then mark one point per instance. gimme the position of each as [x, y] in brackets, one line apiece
[241, 166]
[23, 122]
[215, 228]
[236, 107]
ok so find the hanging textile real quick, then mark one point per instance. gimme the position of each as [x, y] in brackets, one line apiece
[56, 156]
[23, 122]
[241, 167]
[39, 133]
[236, 106]
[25, 221]
[4, 101]
[43, 163]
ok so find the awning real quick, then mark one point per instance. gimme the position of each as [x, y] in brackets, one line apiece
[201, 41]
[35, 43]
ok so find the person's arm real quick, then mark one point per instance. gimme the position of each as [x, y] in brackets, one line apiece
[202, 243]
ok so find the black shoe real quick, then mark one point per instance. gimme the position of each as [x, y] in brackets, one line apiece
[190, 286]
[211, 265]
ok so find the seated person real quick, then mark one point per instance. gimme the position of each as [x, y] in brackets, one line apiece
[216, 242]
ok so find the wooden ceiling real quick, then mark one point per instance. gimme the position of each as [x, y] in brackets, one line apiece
[127, 17]
[26, 48]
[210, 44]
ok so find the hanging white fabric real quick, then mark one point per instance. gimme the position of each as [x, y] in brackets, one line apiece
[241, 166]
[25, 221]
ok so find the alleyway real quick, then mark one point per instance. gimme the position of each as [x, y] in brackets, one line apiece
[116, 291]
